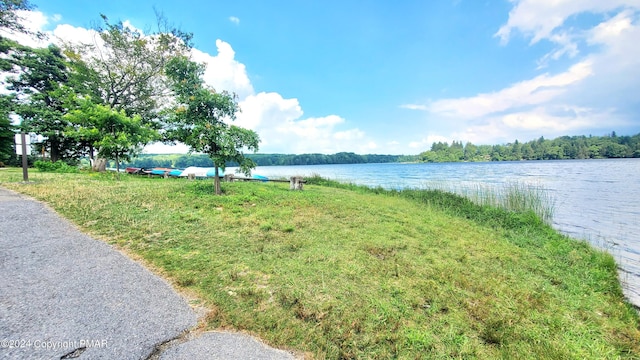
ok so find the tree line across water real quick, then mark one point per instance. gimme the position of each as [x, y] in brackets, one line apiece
[185, 160]
[565, 147]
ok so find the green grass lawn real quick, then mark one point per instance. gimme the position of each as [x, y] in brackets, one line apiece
[354, 273]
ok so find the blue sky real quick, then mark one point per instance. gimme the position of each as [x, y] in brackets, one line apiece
[389, 77]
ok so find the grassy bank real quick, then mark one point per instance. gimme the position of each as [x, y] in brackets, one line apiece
[360, 273]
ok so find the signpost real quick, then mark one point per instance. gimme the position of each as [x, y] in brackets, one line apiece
[21, 149]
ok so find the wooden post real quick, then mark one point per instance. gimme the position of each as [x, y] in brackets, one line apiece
[25, 165]
[228, 177]
[191, 176]
[296, 182]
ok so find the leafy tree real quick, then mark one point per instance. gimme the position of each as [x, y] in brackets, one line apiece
[456, 151]
[198, 119]
[115, 135]
[9, 19]
[11, 22]
[554, 153]
[6, 130]
[516, 151]
[6, 47]
[124, 68]
[614, 150]
[470, 152]
[41, 90]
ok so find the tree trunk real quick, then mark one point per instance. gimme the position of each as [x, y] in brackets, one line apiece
[100, 165]
[117, 166]
[296, 183]
[216, 182]
[54, 153]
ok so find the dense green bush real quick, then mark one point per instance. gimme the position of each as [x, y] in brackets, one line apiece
[58, 166]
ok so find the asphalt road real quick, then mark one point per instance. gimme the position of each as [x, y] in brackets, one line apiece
[64, 295]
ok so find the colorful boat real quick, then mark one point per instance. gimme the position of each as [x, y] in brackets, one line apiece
[201, 172]
[132, 170]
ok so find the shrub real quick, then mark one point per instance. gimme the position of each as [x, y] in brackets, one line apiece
[58, 166]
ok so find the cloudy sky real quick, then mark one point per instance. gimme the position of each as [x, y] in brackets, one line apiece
[391, 77]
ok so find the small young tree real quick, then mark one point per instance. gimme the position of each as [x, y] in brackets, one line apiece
[115, 135]
[198, 119]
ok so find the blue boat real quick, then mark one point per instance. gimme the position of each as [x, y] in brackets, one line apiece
[157, 172]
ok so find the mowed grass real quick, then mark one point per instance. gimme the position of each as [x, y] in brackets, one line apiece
[357, 273]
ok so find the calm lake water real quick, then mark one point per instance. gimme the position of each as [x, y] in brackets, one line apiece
[595, 200]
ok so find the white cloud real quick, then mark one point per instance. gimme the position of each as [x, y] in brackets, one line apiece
[350, 135]
[369, 146]
[616, 66]
[414, 107]
[566, 46]
[278, 121]
[282, 128]
[546, 104]
[267, 110]
[545, 20]
[538, 19]
[490, 131]
[33, 21]
[538, 90]
[72, 34]
[612, 28]
[599, 91]
[234, 20]
[160, 148]
[540, 120]
[425, 143]
[128, 25]
[223, 71]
